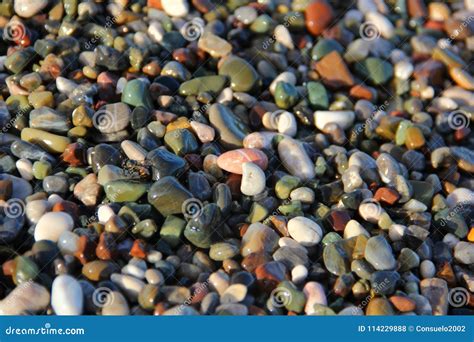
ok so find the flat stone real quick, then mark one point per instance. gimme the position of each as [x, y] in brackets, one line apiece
[379, 253]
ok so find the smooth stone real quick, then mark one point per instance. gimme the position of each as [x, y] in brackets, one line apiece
[164, 163]
[460, 196]
[124, 191]
[285, 76]
[315, 294]
[304, 231]
[55, 184]
[204, 132]
[181, 141]
[52, 143]
[230, 128]
[464, 252]
[26, 298]
[99, 270]
[115, 305]
[68, 243]
[243, 76]
[317, 95]
[235, 293]
[201, 229]
[51, 225]
[232, 161]
[48, 119]
[388, 168]
[353, 229]
[131, 286]
[427, 269]
[303, 194]
[337, 256]
[87, 190]
[175, 8]
[379, 253]
[20, 187]
[293, 156]
[167, 195]
[253, 179]
[110, 173]
[67, 296]
[318, 16]
[222, 250]
[212, 84]
[436, 291]
[29, 8]
[299, 274]
[259, 238]
[25, 168]
[379, 306]
[291, 257]
[136, 94]
[133, 150]
[172, 229]
[286, 95]
[375, 69]
[214, 45]
[344, 119]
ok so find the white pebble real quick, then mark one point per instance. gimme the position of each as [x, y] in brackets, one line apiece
[305, 231]
[175, 8]
[66, 296]
[51, 225]
[283, 36]
[104, 213]
[344, 118]
[299, 274]
[354, 228]
[396, 232]
[427, 269]
[25, 168]
[253, 179]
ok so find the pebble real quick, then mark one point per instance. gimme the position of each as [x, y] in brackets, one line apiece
[305, 231]
[295, 159]
[29, 297]
[67, 296]
[233, 161]
[379, 253]
[29, 8]
[51, 225]
[253, 179]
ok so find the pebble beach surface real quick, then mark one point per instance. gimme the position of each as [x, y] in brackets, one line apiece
[177, 157]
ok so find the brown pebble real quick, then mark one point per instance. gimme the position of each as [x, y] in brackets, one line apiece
[319, 15]
[403, 303]
[386, 195]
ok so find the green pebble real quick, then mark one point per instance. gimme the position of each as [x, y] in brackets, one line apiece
[317, 95]
[375, 69]
[25, 270]
[181, 141]
[285, 185]
[42, 169]
[172, 229]
[286, 95]
[136, 94]
[325, 46]
[124, 191]
[289, 295]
